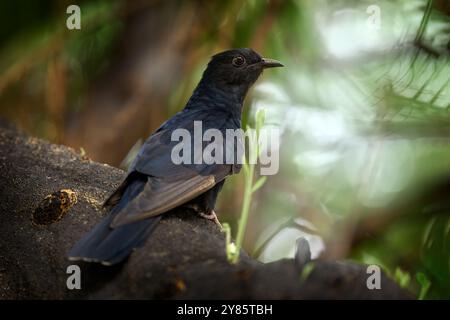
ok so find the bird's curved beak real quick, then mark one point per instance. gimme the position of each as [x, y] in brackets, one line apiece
[271, 63]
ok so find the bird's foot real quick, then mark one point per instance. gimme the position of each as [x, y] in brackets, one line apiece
[210, 216]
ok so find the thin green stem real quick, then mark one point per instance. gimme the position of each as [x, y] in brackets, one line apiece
[244, 212]
[249, 172]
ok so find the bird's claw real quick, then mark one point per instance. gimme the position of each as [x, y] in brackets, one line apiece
[211, 216]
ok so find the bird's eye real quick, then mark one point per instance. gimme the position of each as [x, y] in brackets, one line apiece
[238, 61]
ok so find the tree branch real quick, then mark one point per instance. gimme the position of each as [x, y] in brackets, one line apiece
[50, 196]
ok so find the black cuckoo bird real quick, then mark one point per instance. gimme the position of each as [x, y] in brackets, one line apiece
[155, 184]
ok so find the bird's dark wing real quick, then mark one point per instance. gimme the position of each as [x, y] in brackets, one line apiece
[170, 185]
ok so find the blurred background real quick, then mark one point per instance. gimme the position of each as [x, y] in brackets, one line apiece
[363, 106]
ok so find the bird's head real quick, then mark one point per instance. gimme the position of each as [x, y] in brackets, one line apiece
[237, 68]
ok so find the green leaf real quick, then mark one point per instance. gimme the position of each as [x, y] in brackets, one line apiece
[246, 168]
[425, 284]
[260, 118]
[230, 246]
[402, 278]
[259, 183]
[306, 271]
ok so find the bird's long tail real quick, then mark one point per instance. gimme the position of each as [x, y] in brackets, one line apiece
[110, 246]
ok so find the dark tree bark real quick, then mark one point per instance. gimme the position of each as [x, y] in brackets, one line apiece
[50, 196]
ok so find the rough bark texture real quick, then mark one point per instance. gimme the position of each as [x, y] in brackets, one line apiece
[183, 258]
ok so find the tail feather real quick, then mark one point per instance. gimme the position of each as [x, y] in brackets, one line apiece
[108, 245]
